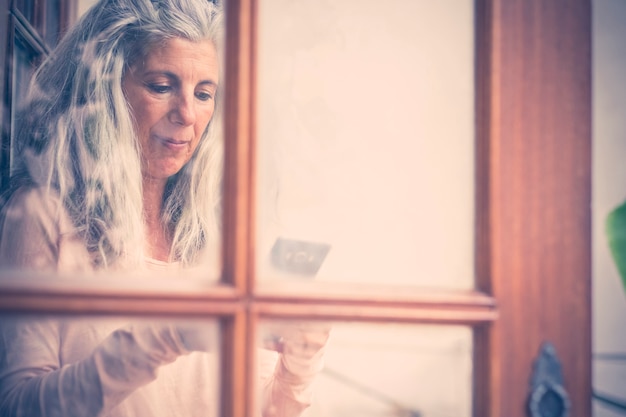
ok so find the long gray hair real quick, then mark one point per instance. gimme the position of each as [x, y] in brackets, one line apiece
[77, 135]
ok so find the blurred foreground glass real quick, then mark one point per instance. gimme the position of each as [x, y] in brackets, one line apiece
[131, 366]
[366, 141]
[389, 370]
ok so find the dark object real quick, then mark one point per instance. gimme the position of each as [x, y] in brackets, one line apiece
[298, 257]
[548, 397]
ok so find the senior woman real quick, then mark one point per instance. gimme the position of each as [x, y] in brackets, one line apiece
[119, 169]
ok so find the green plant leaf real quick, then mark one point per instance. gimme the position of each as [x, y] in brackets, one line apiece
[616, 235]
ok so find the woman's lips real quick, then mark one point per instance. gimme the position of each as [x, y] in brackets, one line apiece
[174, 144]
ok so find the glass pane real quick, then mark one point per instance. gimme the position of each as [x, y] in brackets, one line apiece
[117, 366]
[366, 141]
[104, 175]
[374, 369]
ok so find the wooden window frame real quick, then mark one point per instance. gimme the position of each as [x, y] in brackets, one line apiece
[533, 221]
[534, 197]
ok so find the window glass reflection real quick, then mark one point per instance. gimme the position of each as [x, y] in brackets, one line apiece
[74, 367]
[116, 149]
[387, 370]
[366, 140]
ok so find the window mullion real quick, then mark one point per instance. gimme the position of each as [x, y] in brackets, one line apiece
[238, 344]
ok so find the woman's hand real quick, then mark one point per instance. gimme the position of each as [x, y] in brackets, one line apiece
[302, 347]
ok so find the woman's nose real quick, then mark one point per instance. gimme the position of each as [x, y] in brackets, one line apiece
[183, 111]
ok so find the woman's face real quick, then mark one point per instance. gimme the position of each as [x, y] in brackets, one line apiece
[171, 95]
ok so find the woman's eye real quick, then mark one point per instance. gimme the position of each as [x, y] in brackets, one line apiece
[204, 95]
[159, 88]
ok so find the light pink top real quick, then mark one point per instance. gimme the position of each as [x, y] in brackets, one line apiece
[107, 367]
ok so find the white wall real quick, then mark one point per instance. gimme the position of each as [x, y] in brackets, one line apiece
[609, 190]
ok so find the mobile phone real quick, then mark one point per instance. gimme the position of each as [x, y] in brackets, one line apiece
[298, 257]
